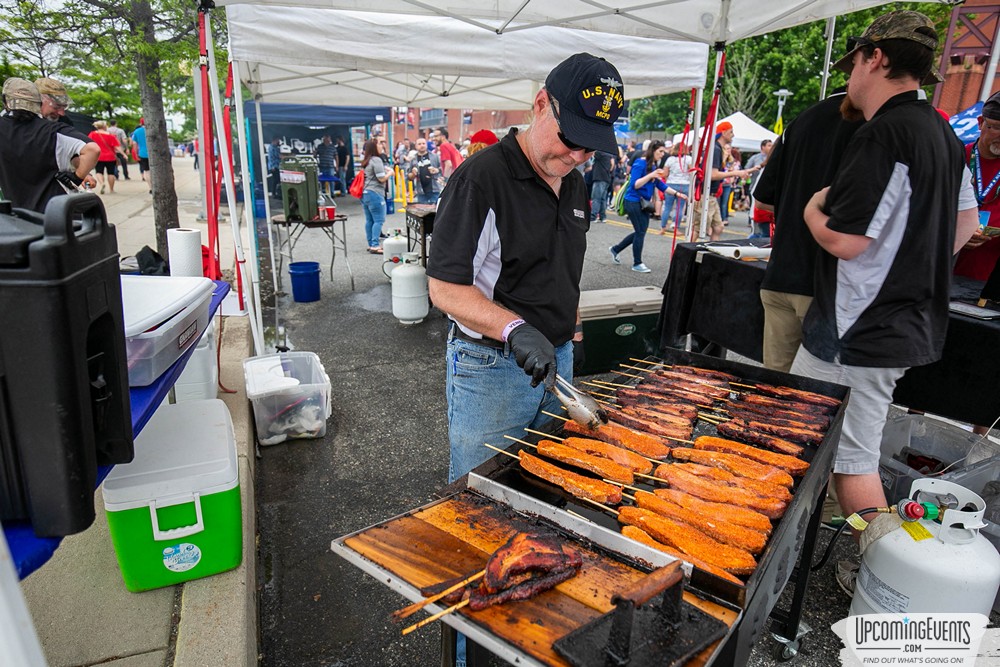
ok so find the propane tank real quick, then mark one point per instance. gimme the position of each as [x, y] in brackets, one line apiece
[410, 299]
[393, 249]
[931, 566]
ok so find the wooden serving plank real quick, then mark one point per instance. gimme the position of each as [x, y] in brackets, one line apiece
[456, 537]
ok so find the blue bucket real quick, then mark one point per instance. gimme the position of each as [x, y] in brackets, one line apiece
[305, 281]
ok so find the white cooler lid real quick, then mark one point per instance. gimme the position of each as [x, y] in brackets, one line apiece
[266, 375]
[618, 301]
[151, 300]
[185, 448]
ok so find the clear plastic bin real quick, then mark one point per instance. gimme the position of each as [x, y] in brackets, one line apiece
[290, 393]
[949, 443]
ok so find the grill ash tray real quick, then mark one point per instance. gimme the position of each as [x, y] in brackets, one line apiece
[666, 632]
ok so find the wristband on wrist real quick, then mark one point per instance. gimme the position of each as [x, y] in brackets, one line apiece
[513, 324]
[579, 328]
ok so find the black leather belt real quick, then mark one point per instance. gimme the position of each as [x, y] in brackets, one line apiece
[484, 341]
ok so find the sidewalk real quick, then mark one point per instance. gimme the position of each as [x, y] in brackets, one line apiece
[82, 612]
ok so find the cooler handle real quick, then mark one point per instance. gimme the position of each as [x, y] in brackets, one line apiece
[182, 531]
[60, 211]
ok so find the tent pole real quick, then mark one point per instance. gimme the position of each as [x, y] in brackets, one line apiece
[831, 24]
[275, 274]
[991, 70]
[207, 148]
[248, 213]
[689, 230]
[720, 61]
[227, 170]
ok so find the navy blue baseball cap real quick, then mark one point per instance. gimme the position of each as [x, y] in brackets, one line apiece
[591, 96]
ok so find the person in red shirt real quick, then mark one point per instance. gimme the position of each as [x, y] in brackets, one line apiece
[450, 157]
[977, 259]
[107, 163]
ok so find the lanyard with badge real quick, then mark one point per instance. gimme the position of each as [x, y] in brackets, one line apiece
[977, 172]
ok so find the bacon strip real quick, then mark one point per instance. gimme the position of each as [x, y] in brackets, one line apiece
[664, 392]
[619, 455]
[641, 536]
[696, 379]
[616, 434]
[704, 372]
[817, 420]
[795, 467]
[761, 488]
[714, 492]
[749, 415]
[741, 516]
[799, 435]
[738, 465]
[799, 395]
[731, 430]
[686, 385]
[689, 540]
[783, 404]
[604, 467]
[577, 485]
[648, 425]
[639, 397]
[740, 537]
[650, 412]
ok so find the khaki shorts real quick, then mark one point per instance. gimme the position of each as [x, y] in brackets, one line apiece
[714, 215]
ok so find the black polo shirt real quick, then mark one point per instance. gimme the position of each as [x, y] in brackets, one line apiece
[898, 184]
[500, 227]
[32, 151]
[802, 161]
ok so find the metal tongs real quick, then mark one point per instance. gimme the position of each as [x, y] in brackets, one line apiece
[582, 408]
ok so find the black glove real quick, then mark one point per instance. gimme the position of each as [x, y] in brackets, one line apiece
[579, 358]
[69, 179]
[534, 353]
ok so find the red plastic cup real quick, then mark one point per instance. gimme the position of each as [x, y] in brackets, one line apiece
[331, 211]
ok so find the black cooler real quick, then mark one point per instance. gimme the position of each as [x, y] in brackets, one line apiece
[64, 401]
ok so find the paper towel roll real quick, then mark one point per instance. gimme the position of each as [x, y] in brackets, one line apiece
[724, 250]
[752, 252]
[184, 250]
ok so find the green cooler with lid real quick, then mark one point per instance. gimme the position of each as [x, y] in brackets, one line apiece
[618, 324]
[174, 513]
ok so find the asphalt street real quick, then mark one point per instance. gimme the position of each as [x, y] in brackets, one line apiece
[386, 452]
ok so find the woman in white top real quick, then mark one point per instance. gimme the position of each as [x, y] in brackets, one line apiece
[678, 179]
[373, 198]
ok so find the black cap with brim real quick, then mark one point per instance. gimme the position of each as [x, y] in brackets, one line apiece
[591, 97]
[909, 25]
[991, 107]
[846, 64]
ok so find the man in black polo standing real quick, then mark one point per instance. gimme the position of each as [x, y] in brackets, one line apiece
[505, 265]
[887, 226]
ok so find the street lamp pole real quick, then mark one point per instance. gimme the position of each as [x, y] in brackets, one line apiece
[782, 95]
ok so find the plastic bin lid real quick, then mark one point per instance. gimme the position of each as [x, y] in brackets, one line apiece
[611, 302]
[267, 375]
[151, 300]
[185, 448]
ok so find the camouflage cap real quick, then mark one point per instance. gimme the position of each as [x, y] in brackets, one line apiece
[54, 89]
[910, 25]
[21, 94]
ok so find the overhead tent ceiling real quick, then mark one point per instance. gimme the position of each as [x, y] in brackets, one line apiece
[327, 56]
[705, 21]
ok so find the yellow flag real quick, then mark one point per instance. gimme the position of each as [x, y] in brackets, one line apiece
[779, 126]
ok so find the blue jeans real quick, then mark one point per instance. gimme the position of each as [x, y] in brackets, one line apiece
[489, 396]
[342, 175]
[428, 198]
[724, 202]
[374, 205]
[640, 223]
[599, 200]
[672, 204]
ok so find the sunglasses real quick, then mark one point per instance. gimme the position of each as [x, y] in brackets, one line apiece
[562, 137]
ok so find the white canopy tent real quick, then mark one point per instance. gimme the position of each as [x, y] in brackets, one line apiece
[748, 133]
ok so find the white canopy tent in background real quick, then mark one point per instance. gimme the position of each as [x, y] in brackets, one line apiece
[748, 133]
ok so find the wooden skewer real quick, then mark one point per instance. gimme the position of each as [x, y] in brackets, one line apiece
[406, 612]
[550, 437]
[513, 456]
[654, 363]
[711, 419]
[434, 617]
[597, 393]
[577, 515]
[546, 412]
[630, 375]
[601, 505]
[740, 384]
[599, 401]
[649, 476]
[625, 486]
[613, 384]
[523, 442]
[599, 386]
[636, 368]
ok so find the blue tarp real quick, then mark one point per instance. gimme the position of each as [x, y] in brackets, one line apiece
[965, 123]
[315, 115]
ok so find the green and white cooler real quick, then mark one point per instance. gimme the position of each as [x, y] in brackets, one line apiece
[174, 512]
[618, 324]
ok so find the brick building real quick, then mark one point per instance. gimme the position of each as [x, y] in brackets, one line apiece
[970, 41]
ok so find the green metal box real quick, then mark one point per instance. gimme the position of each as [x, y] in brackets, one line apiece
[618, 324]
[300, 187]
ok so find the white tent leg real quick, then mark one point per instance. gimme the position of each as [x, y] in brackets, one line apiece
[991, 70]
[18, 640]
[710, 131]
[699, 99]
[227, 171]
[248, 213]
[831, 23]
[262, 152]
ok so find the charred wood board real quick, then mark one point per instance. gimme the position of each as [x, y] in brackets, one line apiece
[456, 536]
